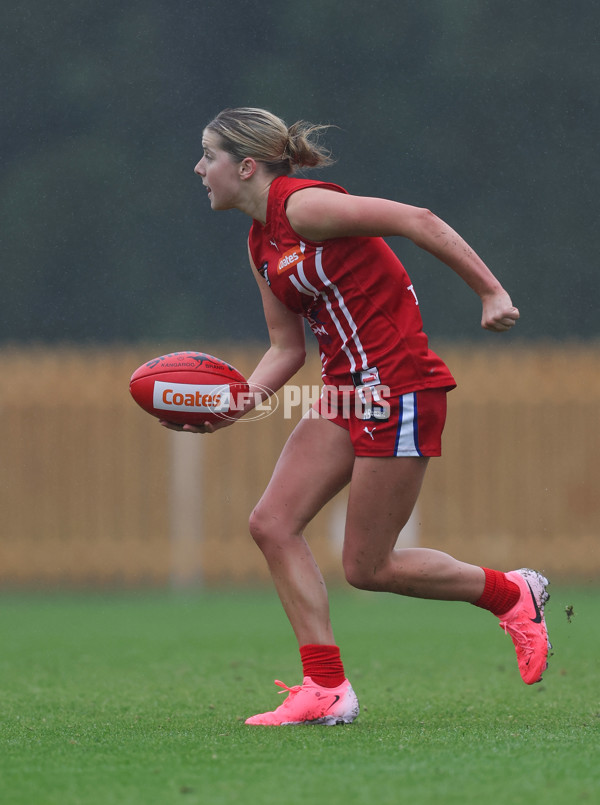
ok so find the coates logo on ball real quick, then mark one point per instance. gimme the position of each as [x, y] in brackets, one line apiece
[186, 397]
[194, 387]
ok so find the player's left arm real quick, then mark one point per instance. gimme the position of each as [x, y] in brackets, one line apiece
[319, 215]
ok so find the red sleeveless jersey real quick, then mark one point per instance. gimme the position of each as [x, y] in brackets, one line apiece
[356, 296]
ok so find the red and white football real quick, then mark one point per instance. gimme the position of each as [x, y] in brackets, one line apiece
[188, 388]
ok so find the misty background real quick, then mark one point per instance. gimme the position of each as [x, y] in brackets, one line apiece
[485, 112]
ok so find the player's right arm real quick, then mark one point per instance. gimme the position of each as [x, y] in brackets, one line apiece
[285, 355]
[287, 350]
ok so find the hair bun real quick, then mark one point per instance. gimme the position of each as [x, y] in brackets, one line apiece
[257, 133]
[304, 148]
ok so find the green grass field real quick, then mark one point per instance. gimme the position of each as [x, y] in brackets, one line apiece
[141, 699]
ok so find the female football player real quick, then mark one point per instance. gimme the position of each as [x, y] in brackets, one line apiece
[318, 253]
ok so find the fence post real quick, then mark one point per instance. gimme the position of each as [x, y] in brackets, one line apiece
[185, 510]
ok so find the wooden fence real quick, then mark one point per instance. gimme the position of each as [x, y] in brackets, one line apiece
[93, 492]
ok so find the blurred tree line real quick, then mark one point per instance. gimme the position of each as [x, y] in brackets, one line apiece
[486, 112]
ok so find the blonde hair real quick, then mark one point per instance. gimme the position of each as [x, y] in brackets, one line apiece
[257, 133]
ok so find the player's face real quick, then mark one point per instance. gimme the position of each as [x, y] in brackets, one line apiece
[219, 173]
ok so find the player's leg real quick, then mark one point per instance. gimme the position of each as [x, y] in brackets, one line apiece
[383, 493]
[315, 464]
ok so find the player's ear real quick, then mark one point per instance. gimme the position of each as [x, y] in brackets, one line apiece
[247, 168]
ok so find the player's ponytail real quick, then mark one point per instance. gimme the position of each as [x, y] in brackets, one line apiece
[256, 133]
[304, 149]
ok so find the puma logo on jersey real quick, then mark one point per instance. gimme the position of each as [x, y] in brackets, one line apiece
[288, 260]
[370, 432]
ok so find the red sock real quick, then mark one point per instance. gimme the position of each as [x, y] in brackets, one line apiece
[499, 594]
[323, 665]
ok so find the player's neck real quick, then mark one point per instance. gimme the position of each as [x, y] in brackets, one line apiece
[255, 200]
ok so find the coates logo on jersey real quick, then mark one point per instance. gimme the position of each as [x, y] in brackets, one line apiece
[288, 260]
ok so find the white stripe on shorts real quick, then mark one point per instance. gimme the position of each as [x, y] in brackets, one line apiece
[407, 435]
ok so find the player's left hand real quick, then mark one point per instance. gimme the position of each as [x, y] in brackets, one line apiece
[499, 313]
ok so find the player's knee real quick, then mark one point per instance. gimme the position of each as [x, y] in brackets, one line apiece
[360, 576]
[262, 526]
[257, 526]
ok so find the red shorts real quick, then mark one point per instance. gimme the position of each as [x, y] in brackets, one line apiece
[413, 426]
